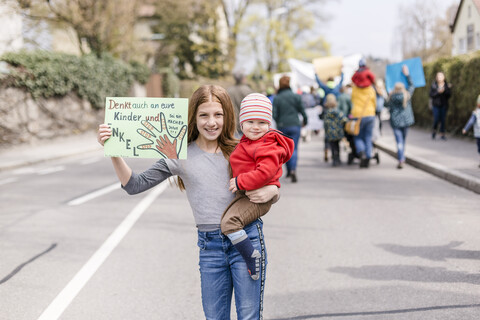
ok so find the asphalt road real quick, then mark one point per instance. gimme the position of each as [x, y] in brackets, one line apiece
[343, 243]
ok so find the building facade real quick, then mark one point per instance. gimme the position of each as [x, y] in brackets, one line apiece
[466, 28]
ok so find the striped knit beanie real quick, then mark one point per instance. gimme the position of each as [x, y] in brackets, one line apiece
[255, 106]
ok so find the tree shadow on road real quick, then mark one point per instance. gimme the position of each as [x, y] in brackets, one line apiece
[377, 313]
[393, 301]
[434, 253]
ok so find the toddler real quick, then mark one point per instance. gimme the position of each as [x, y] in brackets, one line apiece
[256, 161]
[334, 121]
[475, 122]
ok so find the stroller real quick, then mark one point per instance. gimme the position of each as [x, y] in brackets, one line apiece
[352, 155]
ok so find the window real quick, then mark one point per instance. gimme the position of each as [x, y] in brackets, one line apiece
[461, 45]
[477, 44]
[470, 39]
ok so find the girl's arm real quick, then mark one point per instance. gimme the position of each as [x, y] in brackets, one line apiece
[264, 194]
[320, 83]
[470, 123]
[340, 83]
[122, 170]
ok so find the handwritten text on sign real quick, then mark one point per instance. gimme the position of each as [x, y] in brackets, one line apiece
[146, 127]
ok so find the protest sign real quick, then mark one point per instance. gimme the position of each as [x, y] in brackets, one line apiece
[146, 127]
[327, 67]
[303, 73]
[394, 73]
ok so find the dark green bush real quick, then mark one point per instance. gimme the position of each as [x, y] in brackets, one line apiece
[462, 73]
[47, 74]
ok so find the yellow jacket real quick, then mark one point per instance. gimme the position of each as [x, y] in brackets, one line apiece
[364, 101]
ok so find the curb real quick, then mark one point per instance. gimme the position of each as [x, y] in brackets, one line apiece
[454, 176]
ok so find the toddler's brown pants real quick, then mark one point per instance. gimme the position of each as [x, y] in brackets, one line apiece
[242, 212]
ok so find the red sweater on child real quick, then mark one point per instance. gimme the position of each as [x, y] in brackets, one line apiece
[257, 163]
[363, 77]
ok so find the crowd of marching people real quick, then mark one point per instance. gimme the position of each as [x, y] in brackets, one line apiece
[336, 105]
[326, 109]
[348, 113]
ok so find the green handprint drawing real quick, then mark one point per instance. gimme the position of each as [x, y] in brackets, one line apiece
[161, 140]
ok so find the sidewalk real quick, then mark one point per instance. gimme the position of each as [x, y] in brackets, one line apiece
[455, 160]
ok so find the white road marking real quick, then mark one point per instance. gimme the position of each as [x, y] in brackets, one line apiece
[66, 296]
[51, 170]
[89, 161]
[27, 170]
[8, 180]
[93, 195]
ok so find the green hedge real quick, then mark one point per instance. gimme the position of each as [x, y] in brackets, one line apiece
[462, 72]
[47, 74]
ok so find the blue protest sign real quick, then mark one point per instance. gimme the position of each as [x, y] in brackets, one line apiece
[394, 73]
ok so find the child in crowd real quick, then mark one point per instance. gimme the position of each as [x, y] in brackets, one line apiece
[334, 122]
[475, 122]
[256, 161]
[363, 77]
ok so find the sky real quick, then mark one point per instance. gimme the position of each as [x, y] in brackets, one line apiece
[367, 27]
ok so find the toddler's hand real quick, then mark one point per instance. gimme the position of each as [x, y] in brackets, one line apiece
[233, 185]
[463, 131]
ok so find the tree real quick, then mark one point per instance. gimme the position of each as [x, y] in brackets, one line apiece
[423, 32]
[281, 29]
[104, 25]
[235, 12]
[193, 40]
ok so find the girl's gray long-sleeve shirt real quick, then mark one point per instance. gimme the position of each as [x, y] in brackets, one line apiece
[206, 178]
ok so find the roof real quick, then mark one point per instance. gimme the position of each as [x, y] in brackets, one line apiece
[475, 2]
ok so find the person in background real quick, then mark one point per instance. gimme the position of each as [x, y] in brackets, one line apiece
[363, 77]
[334, 121]
[237, 92]
[316, 95]
[381, 97]
[287, 105]
[270, 94]
[307, 98]
[401, 114]
[364, 102]
[309, 104]
[344, 105]
[330, 86]
[440, 92]
[475, 122]
[344, 100]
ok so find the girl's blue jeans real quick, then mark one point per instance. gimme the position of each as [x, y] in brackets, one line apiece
[223, 271]
[294, 133]
[363, 141]
[400, 137]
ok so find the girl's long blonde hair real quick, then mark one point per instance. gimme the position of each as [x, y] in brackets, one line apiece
[400, 88]
[226, 141]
